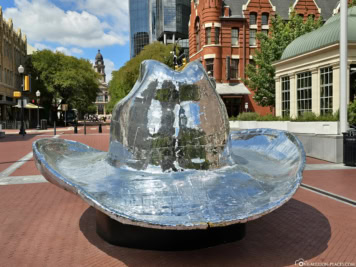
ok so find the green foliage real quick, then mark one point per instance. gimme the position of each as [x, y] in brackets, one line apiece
[352, 113]
[353, 3]
[91, 109]
[124, 79]
[246, 116]
[261, 75]
[68, 79]
[307, 116]
[310, 116]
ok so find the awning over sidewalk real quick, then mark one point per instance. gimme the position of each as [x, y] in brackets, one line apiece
[28, 106]
[232, 89]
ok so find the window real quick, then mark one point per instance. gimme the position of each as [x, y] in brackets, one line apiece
[217, 35]
[311, 16]
[304, 92]
[264, 18]
[285, 96]
[208, 35]
[100, 109]
[209, 63]
[253, 18]
[197, 34]
[252, 37]
[234, 36]
[326, 90]
[264, 32]
[252, 62]
[234, 68]
[100, 98]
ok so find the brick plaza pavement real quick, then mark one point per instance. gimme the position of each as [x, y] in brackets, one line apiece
[42, 225]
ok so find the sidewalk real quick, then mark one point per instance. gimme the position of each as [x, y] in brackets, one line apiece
[42, 225]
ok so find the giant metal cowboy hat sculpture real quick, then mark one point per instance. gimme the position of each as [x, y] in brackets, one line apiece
[174, 176]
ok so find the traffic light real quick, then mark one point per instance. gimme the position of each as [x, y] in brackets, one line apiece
[27, 83]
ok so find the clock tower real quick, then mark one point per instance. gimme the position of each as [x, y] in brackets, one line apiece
[103, 95]
[100, 67]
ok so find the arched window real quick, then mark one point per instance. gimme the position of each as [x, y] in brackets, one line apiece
[253, 18]
[311, 16]
[265, 18]
[197, 34]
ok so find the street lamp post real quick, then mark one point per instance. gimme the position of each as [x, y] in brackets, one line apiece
[21, 70]
[38, 94]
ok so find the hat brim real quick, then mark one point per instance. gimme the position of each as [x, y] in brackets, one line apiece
[266, 171]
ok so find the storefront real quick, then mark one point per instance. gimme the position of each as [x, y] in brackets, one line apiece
[234, 97]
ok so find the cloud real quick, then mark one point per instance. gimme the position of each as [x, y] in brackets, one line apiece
[64, 50]
[109, 67]
[44, 21]
[75, 50]
[40, 46]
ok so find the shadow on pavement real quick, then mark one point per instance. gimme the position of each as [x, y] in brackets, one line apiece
[294, 231]
[19, 138]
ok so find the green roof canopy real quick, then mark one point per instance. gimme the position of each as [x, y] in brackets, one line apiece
[326, 35]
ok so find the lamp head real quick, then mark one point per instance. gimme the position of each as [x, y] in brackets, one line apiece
[21, 69]
[38, 93]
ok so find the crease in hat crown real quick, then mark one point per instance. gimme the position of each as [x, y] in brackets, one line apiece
[170, 120]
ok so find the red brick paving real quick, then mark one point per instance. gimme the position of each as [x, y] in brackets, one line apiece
[316, 161]
[29, 168]
[42, 225]
[340, 182]
[14, 147]
[98, 141]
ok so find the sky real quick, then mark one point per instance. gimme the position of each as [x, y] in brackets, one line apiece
[75, 27]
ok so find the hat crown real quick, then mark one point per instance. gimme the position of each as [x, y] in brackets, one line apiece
[174, 120]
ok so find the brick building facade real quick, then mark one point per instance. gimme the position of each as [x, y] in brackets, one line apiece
[13, 52]
[222, 35]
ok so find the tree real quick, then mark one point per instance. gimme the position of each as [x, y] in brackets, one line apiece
[124, 79]
[261, 74]
[65, 78]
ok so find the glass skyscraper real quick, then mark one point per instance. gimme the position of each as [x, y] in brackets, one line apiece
[142, 24]
[172, 19]
[151, 20]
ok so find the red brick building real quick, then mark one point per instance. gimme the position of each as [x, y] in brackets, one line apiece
[222, 35]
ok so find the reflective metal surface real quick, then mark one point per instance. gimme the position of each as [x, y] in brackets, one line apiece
[172, 162]
[171, 120]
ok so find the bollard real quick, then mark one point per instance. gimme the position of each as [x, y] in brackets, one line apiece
[85, 127]
[75, 129]
[100, 130]
[54, 128]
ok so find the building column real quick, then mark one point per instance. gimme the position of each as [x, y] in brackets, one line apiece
[278, 96]
[348, 70]
[293, 96]
[336, 88]
[315, 91]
